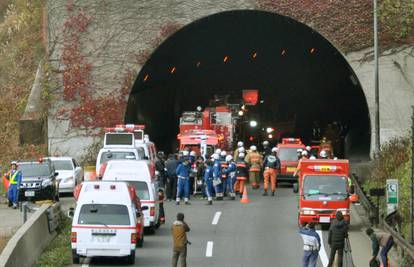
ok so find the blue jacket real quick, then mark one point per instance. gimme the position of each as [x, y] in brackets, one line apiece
[208, 173]
[183, 171]
[217, 169]
[311, 239]
[231, 170]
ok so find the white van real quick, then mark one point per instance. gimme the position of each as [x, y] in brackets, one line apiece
[104, 222]
[118, 153]
[137, 173]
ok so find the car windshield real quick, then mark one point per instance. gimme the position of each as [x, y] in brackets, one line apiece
[112, 155]
[104, 214]
[64, 165]
[325, 187]
[31, 170]
[141, 188]
[288, 154]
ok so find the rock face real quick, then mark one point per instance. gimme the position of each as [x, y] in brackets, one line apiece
[120, 35]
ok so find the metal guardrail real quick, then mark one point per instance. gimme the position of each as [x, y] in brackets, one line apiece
[371, 209]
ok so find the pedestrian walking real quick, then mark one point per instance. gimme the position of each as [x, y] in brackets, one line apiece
[171, 166]
[271, 168]
[383, 240]
[311, 245]
[338, 232]
[255, 161]
[183, 181]
[180, 241]
[15, 178]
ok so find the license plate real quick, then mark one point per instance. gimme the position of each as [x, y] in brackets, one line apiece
[29, 193]
[102, 239]
[324, 219]
[290, 169]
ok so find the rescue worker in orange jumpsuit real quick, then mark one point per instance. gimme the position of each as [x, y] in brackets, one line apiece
[271, 167]
[255, 161]
[241, 172]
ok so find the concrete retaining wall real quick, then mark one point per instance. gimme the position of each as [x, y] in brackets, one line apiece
[29, 241]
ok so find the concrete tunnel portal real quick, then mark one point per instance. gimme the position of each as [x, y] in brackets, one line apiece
[301, 77]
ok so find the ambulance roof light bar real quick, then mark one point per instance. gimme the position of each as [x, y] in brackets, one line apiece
[291, 141]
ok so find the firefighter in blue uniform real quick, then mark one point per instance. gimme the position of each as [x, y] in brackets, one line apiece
[217, 182]
[183, 181]
[208, 181]
[230, 173]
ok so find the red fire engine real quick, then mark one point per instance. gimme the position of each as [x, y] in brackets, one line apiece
[324, 189]
[289, 159]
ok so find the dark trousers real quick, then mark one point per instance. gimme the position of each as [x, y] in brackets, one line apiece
[334, 249]
[385, 250]
[172, 187]
[179, 255]
[310, 258]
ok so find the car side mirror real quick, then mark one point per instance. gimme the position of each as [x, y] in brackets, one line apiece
[354, 198]
[56, 173]
[144, 208]
[71, 212]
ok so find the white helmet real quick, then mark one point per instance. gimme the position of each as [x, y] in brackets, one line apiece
[223, 153]
[304, 153]
[240, 144]
[218, 151]
[193, 153]
[266, 143]
[228, 158]
[253, 148]
[312, 157]
[241, 155]
[275, 150]
[299, 150]
[215, 156]
[241, 149]
[335, 158]
[323, 154]
[308, 148]
[185, 153]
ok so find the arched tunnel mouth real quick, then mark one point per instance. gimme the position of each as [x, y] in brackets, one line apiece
[302, 79]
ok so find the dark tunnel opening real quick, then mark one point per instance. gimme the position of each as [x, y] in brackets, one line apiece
[301, 77]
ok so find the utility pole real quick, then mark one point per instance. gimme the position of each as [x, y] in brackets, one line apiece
[412, 180]
[376, 83]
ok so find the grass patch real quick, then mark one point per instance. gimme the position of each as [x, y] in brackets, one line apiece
[59, 252]
[3, 242]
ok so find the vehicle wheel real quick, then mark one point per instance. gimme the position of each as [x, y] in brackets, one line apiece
[131, 258]
[75, 257]
[140, 242]
[295, 188]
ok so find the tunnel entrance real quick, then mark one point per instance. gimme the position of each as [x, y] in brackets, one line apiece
[301, 78]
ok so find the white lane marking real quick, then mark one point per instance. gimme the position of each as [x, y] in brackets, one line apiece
[216, 218]
[209, 249]
[322, 252]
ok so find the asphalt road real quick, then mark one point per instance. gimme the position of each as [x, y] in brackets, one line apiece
[261, 233]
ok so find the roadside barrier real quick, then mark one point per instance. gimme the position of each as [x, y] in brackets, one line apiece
[26, 245]
[371, 209]
[245, 198]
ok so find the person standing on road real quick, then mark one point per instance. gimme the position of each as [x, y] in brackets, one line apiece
[266, 149]
[179, 232]
[230, 173]
[241, 172]
[217, 181]
[383, 240]
[208, 181]
[171, 165]
[311, 245]
[223, 165]
[255, 161]
[183, 181]
[238, 150]
[15, 178]
[271, 168]
[338, 232]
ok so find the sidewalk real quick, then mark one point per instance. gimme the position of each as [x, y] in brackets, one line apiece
[360, 242]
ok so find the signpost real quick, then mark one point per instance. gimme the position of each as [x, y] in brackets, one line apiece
[392, 195]
[377, 192]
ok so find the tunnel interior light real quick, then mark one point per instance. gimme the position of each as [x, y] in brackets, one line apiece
[253, 124]
[312, 50]
[225, 59]
[283, 52]
[199, 109]
[251, 138]
[241, 113]
[198, 64]
[173, 69]
[254, 56]
[146, 77]
[269, 130]
[270, 136]
[261, 101]
[243, 107]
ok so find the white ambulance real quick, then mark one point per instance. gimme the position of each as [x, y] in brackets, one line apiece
[104, 222]
[137, 173]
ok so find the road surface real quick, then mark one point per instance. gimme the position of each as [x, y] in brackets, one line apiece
[261, 233]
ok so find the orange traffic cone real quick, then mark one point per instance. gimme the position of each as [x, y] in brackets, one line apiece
[245, 198]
